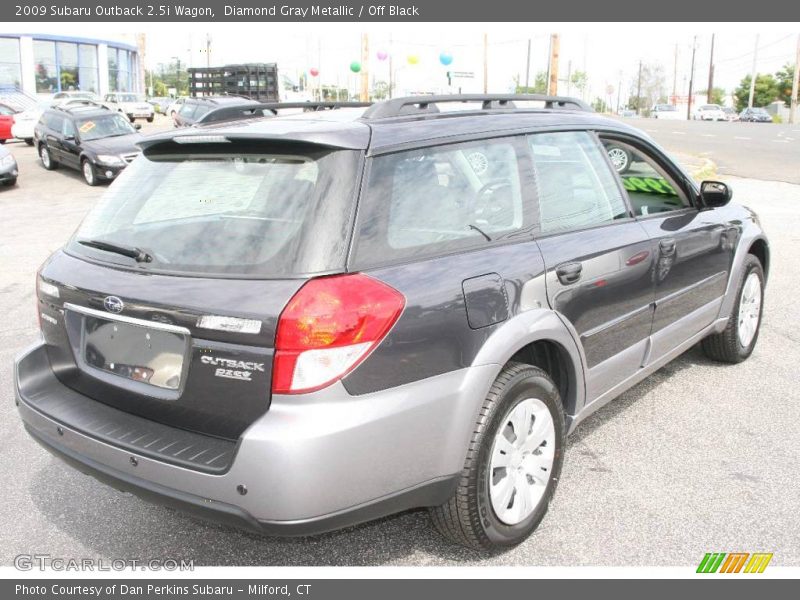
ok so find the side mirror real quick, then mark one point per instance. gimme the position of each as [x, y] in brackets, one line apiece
[714, 194]
[137, 126]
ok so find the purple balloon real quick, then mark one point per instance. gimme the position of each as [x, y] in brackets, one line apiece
[382, 55]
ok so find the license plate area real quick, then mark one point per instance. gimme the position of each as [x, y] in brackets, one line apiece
[134, 352]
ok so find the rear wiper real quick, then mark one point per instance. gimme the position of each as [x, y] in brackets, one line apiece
[133, 252]
[481, 231]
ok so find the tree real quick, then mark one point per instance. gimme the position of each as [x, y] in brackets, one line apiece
[580, 80]
[653, 87]
[599, 105]
[766, 91]
[380, 90]
[784, 79]
[717, 95]
[539, 85]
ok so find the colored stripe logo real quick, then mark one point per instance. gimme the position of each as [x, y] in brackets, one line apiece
[734, 562]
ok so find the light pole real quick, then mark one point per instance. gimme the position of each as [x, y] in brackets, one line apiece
[691, 81]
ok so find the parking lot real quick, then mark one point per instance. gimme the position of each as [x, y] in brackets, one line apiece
[702, 457]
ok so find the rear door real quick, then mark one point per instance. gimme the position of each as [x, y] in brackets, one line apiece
[52, 135]
[693, 248]
[70, 150]
[598, 258]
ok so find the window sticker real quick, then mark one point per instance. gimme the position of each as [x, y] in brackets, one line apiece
[87, 126]
[648, 185]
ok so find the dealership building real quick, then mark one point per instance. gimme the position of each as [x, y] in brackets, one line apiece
[44, 64]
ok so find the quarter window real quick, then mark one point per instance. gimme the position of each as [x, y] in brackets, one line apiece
[440, 199]
[575, 187]
[650, 189]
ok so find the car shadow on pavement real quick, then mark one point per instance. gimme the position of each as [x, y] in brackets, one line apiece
[109, 524]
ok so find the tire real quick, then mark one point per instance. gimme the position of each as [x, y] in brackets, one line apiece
[469, 517]
[29, 141]
[619, 157]
[132, 119]
[3, 141]
[150, 119]
[737, 341]
[47, 160]
[89, 176]
[10, 182]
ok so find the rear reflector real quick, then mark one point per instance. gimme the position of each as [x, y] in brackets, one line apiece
[330, 326]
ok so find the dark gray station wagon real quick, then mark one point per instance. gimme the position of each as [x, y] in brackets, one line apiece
[299, 322]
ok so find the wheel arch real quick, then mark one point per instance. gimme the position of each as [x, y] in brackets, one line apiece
[541, 338]
[760, 249]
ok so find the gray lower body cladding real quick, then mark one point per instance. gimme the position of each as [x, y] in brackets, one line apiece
[312, 463]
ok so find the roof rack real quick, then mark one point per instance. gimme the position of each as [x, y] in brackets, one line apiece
[416, 105]
[68, 105]
[248, 111]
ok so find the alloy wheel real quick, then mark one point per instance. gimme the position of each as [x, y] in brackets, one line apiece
[749, 309]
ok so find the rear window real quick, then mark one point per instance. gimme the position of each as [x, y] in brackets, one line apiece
[272, 214]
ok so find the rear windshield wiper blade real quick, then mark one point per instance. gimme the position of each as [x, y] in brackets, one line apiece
[133, 252]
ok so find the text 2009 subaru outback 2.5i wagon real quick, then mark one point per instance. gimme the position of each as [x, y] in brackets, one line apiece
[295, 323]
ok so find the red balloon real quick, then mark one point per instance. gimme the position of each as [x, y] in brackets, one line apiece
[314, 71]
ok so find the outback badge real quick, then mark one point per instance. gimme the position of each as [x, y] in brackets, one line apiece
[113, 304]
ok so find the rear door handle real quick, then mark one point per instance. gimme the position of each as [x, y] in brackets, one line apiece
[569, 273]
[667, 246]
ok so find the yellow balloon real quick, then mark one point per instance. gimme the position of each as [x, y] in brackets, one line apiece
[413, 59]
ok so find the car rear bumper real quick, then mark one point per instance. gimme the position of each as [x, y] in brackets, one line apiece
[312, 463]
[9, 173]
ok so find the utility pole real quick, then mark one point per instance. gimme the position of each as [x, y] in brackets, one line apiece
[711, 71]
[569, 77]
[753, 76]
[639, 91]
[675, 79]
[528, 68]
[391, 70]
[485, 63]
[795, 85]
[691, 81]
[208, 50]
[554, 51]
[364, 95]
[619, 91]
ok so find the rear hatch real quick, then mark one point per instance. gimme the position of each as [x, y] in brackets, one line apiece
[166, 301]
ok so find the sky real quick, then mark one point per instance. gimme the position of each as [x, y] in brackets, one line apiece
[609, 53]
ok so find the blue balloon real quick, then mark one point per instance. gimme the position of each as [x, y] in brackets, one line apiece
[445, 58]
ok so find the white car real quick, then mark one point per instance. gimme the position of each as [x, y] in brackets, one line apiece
[709, 112]
[133, 105]
[25, 121]
[667, 111]
[175, 107]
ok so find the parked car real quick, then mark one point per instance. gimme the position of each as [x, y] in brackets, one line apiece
[132, 105]
[7, 115]
[709, 112]
[193, 110]
[88, 137]
[730, 114]
[175, 106]
[160, 104]
[627, 113]
[667, 111]
[225, 333]
[8, 167]
[755, 115]
[60, 97]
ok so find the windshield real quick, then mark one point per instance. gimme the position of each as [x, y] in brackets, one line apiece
[130, 98]
[265, 214]
[104, 126]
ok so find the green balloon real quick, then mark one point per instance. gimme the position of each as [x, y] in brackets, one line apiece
[355, 66]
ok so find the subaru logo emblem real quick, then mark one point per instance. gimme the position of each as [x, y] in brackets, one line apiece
[113, 304]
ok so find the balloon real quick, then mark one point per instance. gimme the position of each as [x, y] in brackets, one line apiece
[382, 55]
[355, 66]
[413, 59]
[445, 58]
[314, 71]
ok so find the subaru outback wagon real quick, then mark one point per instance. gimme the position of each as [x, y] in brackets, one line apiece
[301, 322]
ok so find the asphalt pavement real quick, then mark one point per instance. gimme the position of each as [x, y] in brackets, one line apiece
[759, 150]
[701, 457]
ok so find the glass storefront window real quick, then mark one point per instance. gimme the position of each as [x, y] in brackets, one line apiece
[44, 57]
[119, 70]
[87, 73]
[68, 66]
[9, 62]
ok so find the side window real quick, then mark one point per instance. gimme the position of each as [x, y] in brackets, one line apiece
[437, 200]
[650, 189]
[575, 187]
[55, 122]
[187, 110]
[5, 110]
[68, 128]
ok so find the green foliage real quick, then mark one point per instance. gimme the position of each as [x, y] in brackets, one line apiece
[580, 80]
[599, 105]
[539, 85]
[717, 95]
[766, 91]
[380, 90]
[784, 79]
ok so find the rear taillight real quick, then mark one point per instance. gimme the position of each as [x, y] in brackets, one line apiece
[330, 326]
